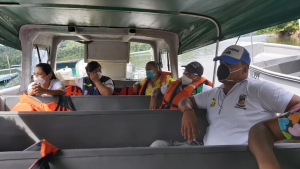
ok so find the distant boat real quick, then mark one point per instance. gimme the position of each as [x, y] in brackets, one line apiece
[18, 67]
[7, 77]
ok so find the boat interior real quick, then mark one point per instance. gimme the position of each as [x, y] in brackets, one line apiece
[116, 131]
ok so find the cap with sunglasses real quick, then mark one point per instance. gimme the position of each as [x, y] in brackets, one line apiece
[194, 67]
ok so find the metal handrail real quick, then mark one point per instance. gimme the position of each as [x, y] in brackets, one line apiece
[274, 74]
[217, 42]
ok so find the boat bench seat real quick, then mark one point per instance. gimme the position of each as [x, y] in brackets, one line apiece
[88, 103]
[121, 83]
[211, 157]
[93, 129]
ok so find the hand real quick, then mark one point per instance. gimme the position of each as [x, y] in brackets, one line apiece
[94, 77]
[37, 89]
[189, 125]
[136, 88]
[153, 103]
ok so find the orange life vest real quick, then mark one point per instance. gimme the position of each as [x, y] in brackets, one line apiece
[73, 90]
[171, 99]
[47, 151]
[26, 103]
[124, 91]
[162, 82]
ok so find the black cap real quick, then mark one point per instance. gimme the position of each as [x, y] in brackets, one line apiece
[194, 67]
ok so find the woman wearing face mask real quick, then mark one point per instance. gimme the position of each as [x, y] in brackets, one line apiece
[45, 82]
[95, 83]
[189, 84]
[155, 79]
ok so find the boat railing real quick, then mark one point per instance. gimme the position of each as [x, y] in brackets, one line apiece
[255, 72]
[288, 82]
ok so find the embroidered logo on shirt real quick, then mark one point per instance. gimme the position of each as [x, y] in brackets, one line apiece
[213, 103]
[241, 102]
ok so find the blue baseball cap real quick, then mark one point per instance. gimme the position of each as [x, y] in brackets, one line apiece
[234, 54]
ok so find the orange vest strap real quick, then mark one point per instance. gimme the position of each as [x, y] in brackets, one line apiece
[47, 151]
[144, 87]
[171, 99]
[48, 148]
[38, 106]
[73, 90]
[162, 82]
[125, 91]
[209, 83]
[163, 77]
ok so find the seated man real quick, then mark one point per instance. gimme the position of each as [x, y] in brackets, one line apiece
[263, 135]
[235, 106]
[192, 82]
[95, 83]
[155, 79]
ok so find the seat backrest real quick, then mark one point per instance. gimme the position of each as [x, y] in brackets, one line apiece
[121, 83]
[219, 157]
[102, 129]
[89, 103]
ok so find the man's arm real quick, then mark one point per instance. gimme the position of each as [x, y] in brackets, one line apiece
[187, 103]
[261, 140]
[189, 123]
[105, 91]
[293, 104]
[136, 87]
[263, 135]
[153, 102]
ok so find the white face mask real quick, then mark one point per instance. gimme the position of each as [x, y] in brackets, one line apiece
[186, 80]
[99, 74]
[40, 80]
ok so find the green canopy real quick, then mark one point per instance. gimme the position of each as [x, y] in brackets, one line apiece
[234, 17]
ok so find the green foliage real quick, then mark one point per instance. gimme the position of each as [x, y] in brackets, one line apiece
[289, 27]
[14, 56]
[136, 47]
[70, 50]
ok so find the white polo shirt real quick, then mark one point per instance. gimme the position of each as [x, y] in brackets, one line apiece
[231, 116]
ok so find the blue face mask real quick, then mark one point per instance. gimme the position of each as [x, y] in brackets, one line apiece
[150, 74]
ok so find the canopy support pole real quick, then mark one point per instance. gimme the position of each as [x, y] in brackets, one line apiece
[215, 66]
[252, 49]
[217, 41]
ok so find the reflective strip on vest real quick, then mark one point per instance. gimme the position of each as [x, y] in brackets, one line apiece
[88, 85]
[171, 99]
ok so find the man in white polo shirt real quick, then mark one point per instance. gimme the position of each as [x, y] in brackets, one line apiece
[235, 106]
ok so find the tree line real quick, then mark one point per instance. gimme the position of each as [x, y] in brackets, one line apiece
[282, 30]
[70, 50]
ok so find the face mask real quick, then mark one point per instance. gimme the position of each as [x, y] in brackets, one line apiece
[224, 72]
[150, 74]
[99, 74]
[40, 80]
[186, 80]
